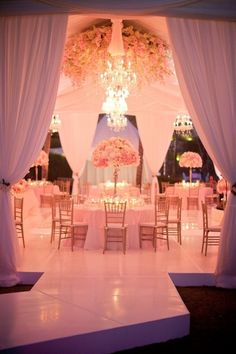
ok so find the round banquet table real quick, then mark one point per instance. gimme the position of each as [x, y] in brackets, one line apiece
[32, 196]
[183, 192]
[95, 217]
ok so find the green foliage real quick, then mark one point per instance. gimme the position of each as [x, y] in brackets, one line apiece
[58, 167]
[55, 141]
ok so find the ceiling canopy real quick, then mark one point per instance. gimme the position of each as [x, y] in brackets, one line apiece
[208, 9]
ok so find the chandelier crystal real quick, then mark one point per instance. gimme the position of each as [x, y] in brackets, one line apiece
[183, 124]
[118, 77]
[55, 123]
[118, 80]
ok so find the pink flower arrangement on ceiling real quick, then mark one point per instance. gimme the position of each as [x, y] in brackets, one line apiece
[115, 152]
[190, 159]
[86, 54]
[42, 159]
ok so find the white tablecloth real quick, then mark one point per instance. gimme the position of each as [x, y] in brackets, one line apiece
[183, 192]
[32, 197]
[95, 217]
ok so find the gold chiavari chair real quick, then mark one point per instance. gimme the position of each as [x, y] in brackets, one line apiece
[157, 230]
[68, 228]
[175, 218]
[211, 234]
[18, 218]
[115, 229]
[193, 198]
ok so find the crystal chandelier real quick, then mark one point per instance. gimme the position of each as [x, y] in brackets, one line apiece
[183, 124]
[55, 123]
[118, 78]
[117, 81]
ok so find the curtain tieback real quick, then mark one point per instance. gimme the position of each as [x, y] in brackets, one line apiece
[5, 186]
[233, 189]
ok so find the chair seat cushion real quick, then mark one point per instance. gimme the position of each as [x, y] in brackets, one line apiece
[116, 226]
[147, 224]
[81, 223]
[214, 228]
[161, 224]
[173, 221]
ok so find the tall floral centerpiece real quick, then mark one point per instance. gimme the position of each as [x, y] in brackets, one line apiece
[115, 152]
[42, 160]
[190, 160]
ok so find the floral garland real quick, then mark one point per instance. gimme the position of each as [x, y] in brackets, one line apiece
[190, 159]
[115, 152]
[86, 54]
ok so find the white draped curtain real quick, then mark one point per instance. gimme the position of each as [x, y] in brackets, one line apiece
[31, 49]
[76, 135]
[204, 54]
[155, 136]
[160, 105]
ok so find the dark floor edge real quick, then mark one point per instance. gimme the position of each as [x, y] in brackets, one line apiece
[111, 340]
[29, 277]
[193, 279]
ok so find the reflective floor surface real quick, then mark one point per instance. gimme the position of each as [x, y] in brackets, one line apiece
[90, 302]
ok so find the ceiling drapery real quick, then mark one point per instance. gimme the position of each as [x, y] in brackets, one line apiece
[215, 9]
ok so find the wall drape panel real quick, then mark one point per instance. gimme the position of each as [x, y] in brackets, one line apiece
[76, 134]
[155, 136]
[155, 121]
[204, 54]
[31, 50]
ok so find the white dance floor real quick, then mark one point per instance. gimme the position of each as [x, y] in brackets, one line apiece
[89, 302]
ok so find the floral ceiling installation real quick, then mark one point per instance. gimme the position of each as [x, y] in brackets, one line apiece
[115, 152]
[86, 54]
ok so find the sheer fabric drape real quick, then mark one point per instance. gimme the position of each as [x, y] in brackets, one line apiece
[155, 122]
[155, 136]
[31, 50]
[204, 54]
[76, 134]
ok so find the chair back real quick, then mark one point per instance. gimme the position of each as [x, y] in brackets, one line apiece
[164, 186]
[146, 192]
[46, 200]
[18, 209]
[161, 209]
[211, 200]
[175, 204]
[194, 191]
[115, 213]
[170, 190]
[174, 201]
[134, 192]
[204, 216]
[66, 210]
[64, 184]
